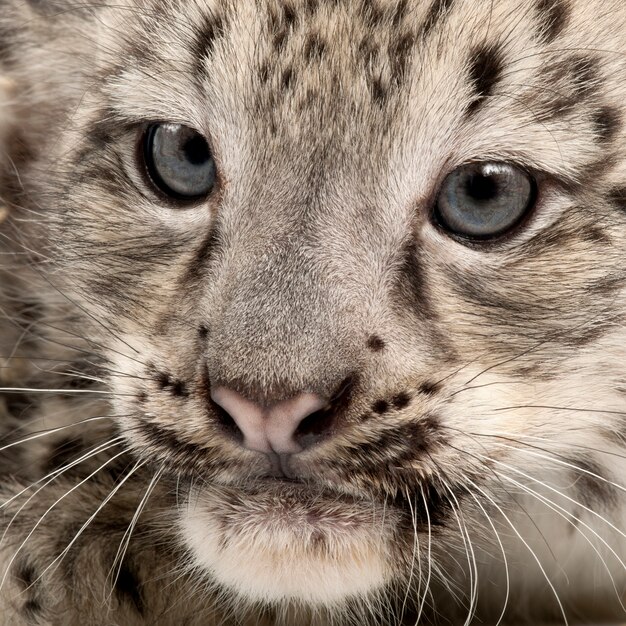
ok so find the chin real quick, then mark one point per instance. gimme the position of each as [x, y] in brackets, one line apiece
[286, 543]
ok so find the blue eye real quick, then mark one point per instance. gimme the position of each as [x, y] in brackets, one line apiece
[179, 161]
[484, 200]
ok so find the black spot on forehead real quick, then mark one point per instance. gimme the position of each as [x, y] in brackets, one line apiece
[163, 380]
[606, 123]
[179, 389]
[585, 73]
[375, 343]
[314, 47]
[379, 90]
[290, 14]
[400, 51]
[436, 13]
[18, 405]
[287, 78]
[595, 235]
[552, 16]
[205, 35]
[32, 610]
[485, 70]
[617, 197]
[399, 12]
[372, 12]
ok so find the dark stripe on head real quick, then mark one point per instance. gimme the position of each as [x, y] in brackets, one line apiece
[400, 51]
[400, 12]
[606, 123]
[485, 70]
[553, 16]
[585, 73]
[203, 42]
[108, 127]
[412, 287]
[617, 196]
[379, 91]
[206, 251]
[314, 48]
[437, 11]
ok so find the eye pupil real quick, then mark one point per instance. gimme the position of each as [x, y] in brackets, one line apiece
[179, 162]
[482, 187]
[484, 200]
[196, 150]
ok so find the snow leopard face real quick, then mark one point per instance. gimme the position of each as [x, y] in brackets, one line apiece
[357, 269]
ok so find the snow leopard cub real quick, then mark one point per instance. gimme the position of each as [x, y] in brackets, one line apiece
[313, 311]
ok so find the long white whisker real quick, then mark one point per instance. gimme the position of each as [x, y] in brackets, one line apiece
[125, 541]
[532, 552]
[503, 551]
[50, 508]
[429, 555]
[471, 557]
[117, 487]
[573, 521]
[413, 556]
[51, 431]
[48, 478]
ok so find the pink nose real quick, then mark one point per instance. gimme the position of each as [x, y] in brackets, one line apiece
[268, 429]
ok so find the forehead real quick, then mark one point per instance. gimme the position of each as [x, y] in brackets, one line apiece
[432, 82]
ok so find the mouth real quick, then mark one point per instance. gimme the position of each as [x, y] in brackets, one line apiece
[275, 540]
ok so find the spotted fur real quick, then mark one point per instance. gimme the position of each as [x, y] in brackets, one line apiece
[471, 455]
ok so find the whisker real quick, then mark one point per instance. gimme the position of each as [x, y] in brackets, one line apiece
[51, 431]
[573, 521]
[58, 559]
[413, 556]
[49, 509]
[125, 541]
[429, 555]
[502, 550]
[532, 552]
[48, 478]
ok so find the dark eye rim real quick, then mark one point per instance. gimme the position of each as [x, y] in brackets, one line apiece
[484, 242]
[146, 166]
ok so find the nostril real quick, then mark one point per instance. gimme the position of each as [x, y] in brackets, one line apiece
[226, 422]
[315, 428]
[322, 424]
